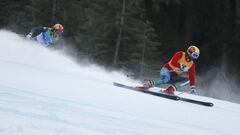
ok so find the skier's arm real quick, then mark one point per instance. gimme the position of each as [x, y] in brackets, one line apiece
[191, 75]
[174, 61]
[35, 31]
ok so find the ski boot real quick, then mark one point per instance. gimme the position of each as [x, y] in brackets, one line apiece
[147, 85]
[170, 89]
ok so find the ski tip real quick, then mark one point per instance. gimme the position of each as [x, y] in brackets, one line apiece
[211, 104]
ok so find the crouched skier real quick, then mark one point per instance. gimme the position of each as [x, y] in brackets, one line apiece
[172, 72]
[46, 35]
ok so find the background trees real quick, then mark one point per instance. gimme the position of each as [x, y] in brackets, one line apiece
[137, 35]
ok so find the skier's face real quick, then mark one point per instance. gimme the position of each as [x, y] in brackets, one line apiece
[57, 32]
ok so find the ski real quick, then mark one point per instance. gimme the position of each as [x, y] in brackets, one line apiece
[196, 102]
[173, 97]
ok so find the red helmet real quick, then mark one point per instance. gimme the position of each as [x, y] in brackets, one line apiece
[58, 28]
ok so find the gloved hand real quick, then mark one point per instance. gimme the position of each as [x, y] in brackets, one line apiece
[183, 68]
[29, 35]
[193, 89]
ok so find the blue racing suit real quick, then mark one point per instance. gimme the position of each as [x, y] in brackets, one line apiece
[43, 35]
[168, 78]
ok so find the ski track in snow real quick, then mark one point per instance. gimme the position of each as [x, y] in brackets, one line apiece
[64, 98]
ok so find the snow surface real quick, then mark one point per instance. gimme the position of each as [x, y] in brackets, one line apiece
[43, 92]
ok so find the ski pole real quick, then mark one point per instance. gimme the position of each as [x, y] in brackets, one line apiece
[184, 92]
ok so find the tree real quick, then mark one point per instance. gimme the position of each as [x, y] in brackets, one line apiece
[120, 32]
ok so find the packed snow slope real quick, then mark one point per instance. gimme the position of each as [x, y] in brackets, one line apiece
[43, 92]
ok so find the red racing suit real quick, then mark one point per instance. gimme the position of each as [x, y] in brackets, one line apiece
[174, 66]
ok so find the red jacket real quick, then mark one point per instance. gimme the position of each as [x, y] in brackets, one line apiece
[178, 59]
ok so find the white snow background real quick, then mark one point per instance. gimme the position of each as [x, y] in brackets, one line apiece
[43, 92]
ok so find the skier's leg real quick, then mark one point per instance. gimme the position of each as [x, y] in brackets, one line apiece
[175, 83]
[165, 77]
[179, 81]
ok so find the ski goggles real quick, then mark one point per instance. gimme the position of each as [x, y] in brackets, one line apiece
[195, 55]
[57, 32]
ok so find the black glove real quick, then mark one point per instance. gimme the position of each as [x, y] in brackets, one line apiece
[193, 90]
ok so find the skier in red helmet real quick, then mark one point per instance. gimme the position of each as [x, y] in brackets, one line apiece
[45, 35]
[171, 73]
